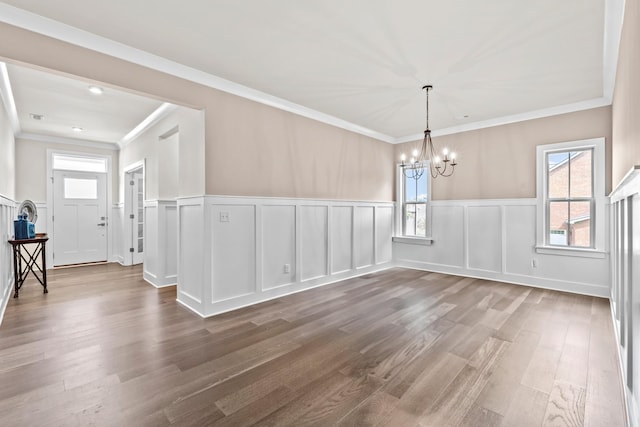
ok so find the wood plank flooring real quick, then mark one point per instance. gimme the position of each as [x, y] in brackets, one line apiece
[396, 348]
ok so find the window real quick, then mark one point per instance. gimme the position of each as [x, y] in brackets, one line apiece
[571, 198]
[78, 163]
[413, 204]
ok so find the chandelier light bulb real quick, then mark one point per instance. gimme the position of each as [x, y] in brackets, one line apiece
[445, 151]
[403, 157]
[437, 159]
[414, 153]
[413, 160]
[453, 156]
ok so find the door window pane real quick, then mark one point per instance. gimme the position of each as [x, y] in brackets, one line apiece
[77, 188]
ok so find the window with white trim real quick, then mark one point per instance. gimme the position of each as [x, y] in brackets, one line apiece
[571, 196]
[414, 196]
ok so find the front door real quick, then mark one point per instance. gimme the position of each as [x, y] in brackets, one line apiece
[79, 217]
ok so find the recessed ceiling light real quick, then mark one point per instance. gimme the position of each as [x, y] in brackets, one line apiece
[36, 116]
[96, 90]
[77, 129]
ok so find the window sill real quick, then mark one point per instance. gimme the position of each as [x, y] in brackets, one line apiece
[576, 252]
[424, 241]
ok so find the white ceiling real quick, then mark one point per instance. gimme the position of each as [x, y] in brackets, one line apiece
[365, 61]
[65, 103]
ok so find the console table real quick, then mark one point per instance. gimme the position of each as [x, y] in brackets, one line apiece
[24, 261]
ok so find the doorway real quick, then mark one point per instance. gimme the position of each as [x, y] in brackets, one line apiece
[79, 188]
[134, 214]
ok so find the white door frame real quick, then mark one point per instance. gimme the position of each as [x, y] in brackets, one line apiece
[127, 230]
[50, 232]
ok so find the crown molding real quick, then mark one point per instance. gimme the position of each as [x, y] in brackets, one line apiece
[613, 20]
[515, 118]
[6, 93]
[614, 14]
[158, 114]
[69, 141]
[48, 27]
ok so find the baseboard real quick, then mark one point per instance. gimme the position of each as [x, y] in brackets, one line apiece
[153, 280]
[514, 279]
[5, 299]
[242, 301]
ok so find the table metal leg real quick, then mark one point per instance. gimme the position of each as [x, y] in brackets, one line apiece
[44, 267]
[15, 271]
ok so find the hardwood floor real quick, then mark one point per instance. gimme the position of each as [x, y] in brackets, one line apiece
[396, 348]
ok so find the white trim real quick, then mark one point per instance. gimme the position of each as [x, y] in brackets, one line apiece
[282, 291]
[6, 93]
[564, 251]
[231, 199]
[8, 201]
[158, 114]
[423, 241]
[4, 299]
[6, 296]
[601, 200]
[399, 208]
[127, 231]
[630, 412]
[57, 30]
[515, 118]
[69, 141]
[628, 185]
[485, 202]
[20, 18]
[514, 279]
[50, 204]
[613, 20]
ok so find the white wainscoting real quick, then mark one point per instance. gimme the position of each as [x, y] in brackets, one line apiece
[495, 240]
[625, 276]
[238, 251]
[7, 215]
[160, 242]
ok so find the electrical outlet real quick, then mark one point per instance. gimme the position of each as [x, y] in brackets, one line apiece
[224, 216]
[534, 263]
[287, 268]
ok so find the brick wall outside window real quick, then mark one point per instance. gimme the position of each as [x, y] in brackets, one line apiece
[579, 223]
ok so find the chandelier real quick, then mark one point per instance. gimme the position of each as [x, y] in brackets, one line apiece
[438, 166]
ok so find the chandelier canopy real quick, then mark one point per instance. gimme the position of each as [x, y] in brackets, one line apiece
[443, 165]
